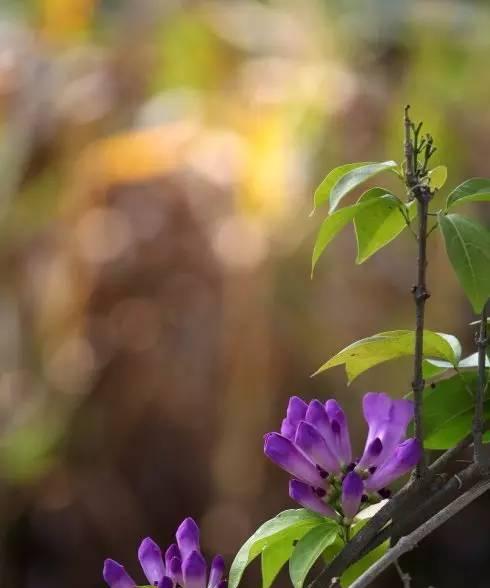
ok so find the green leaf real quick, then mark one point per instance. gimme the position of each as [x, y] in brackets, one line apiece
[379, 224]
[434, 367]
[354, 178]
[289, 524]
[355, 570]
[309, 549]
[448, 410]
[468, 248]
[438, 177]
[476, 189]
[454, 343]
[322, 193]
[369, 511]
[366, 353]
[472, 361]
[331, 226]
[274, 558]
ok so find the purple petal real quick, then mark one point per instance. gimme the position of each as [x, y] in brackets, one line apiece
[116, 576]
[296, 410]
[166, 582]
[174, 570]
[405, 457]
[304, 495]
[340, 430]
[376, 406]
[223, 584]
[194, 570]
[150, 557]
[187, 536]
[172, 551]
[313, 444]
[286, 455]
[317, 416]
[288, 430]
[217, 571]
[388, 420]
[352, 491]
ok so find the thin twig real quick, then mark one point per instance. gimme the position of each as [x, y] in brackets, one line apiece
[481, 343]
[409, 542]
[404, 576]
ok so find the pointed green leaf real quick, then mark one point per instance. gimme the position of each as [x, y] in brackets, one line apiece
[292, 524]
[448, 410]
[472, 361]
[322, 193]
[468, 248]
[331, 226]
[366, 353]
[274, 558]
[454, 343]
[309, 549]
[434, 367]
[379, 224]
[476, 189]
[438, 177]
[369, 511]
[354, 178]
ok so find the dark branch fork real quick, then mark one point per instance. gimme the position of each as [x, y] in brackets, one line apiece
[431, 497]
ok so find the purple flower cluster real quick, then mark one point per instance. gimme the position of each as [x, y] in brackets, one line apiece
[182, 565]
[314, 448]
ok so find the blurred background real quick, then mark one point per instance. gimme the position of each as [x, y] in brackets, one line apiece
[157, 165]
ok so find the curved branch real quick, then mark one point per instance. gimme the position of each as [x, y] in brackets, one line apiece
[409, 542]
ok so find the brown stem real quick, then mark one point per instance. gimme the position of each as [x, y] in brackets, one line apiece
[478, 420]
[416, 183]
[420, 295]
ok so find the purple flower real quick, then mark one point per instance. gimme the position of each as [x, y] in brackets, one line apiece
[309, 439]
[406, 456]
[150, 557]
[289, 457]
[294, 414]
[309, 498]
[352, 491]
[388, 420]
[340, 431]
[183, 565]
[187, 536]
[194, 570]
[217, 571]
[172, 551]
[314, 447]
[116, 576]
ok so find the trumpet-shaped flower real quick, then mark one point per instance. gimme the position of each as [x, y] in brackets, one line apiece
[314, 447]
[182, 565]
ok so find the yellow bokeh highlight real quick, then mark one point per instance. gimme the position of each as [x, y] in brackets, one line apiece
[62, 20]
